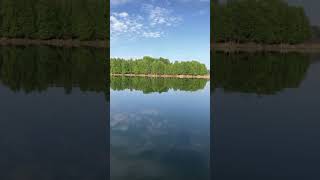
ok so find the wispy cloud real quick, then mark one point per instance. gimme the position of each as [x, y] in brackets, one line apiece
[150, 23]
[123, 23]
[161, 16]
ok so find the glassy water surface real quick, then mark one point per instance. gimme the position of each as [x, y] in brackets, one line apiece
[160, 128]
[53, 113]
[266, 117]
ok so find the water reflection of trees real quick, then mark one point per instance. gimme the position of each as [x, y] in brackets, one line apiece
[149, 85]
[37, 68]
[263, 73]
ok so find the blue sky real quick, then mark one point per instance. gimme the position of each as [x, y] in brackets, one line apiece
[173, 29]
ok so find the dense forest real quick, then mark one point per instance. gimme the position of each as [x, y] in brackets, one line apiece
[259, 21]
[150, 85]
[161, 66]
[261, 74]
[36, 68]
[54, 19]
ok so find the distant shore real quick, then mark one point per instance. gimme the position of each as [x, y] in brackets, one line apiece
[54, 42]
[165, 76]
[253, 47]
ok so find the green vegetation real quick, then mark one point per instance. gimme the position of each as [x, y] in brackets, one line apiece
[150, 85]
[54, 19]
[260, 21]
[38, 68]
[262, 73]
[161, 66]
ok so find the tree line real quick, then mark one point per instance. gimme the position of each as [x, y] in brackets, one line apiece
[150, 85]
[262, 73]
[54, 19]
[260, 21]
[156, 66]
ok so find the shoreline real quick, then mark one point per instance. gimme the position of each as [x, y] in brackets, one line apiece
[166, 76]
[253, 47]
[53, 42]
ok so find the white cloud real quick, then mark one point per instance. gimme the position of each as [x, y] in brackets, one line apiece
[161, 16]
[130, 26]
[117, 25]
[123, 14]
[151, 23]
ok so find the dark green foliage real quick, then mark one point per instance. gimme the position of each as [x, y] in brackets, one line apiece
[260, 21]
[47, 19]
[83, 19]
[150, 85]
[161, 66]
[265, 73]
[9, 18]
[54, 19]
[100, 13]
[26, 20]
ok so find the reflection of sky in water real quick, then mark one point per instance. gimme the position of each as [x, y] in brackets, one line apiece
[160, 135]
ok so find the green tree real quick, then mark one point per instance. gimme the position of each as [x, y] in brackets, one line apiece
[161, 66]
[26, 19]
[9, 18]
[47, 19]
[271, 22]
[83, 26]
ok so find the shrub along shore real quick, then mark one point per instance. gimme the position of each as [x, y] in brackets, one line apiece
[54, 42]
[165, 76]
[254, 47]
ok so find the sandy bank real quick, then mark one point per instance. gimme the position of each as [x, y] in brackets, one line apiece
[165, 76]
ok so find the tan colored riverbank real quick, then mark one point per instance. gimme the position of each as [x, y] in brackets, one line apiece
[252, 47]
[165, 76]
[54, 42]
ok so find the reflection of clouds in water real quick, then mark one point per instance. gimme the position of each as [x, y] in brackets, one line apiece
[148, 120]
[119, 121]
[150, 128]
[132, 135]
[147, 145]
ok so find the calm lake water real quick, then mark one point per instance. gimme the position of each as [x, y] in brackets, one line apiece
[160, 128]
[53, 114]
[266, 116]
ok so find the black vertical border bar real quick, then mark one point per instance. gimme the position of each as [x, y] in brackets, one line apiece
[107, 85]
